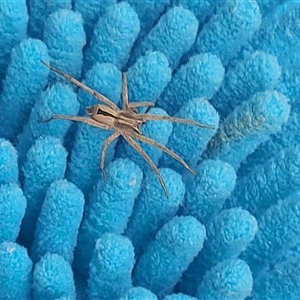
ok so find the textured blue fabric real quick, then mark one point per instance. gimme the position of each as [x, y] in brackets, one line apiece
[258, 72]
[227, 236]
[274, 180]
[288, 137]
[91, 11]
[109, 208]
[22, 86]
[38, 14]
[280, 283]
[177, 26]
[229, 29]
[190, 141]
[101, 77]
[274, 237]
[273, 38]
[58, 221]
[152, 209]
[169, 254]
[12, 210]
[179, 296]
[204, 72]
[292, 252]
[228, 280]
[148, 77]
[288, 85]
[113, 36]
[14, 21]
[268, 6]
[65, 53]
[207, 192]
[148, 12]
[233, 65]
[200, 8]
[9, 171]
[110, 267]
[46, 162]
[59, 99]
[138, 293]
[16, 271]
[248, 126]
[53, 279]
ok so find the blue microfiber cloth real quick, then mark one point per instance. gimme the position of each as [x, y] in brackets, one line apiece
[227, 236]
[229, 279]
[12, 209]
[16, 269]
[113, 201]
[58, 222]
[9, 172]
[177, 25]
[179, 296]
[285, 234]
[151, 210]
[46, 162]
[139, 292]
[230, 231]
[113, 36]
[282, 282]
[22, 90]
[178, 242]
[52, 278]
[111, 266]
[262, 115]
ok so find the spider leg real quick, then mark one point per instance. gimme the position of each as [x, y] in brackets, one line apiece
[140, 150]
[151, 142]
[140, 104]
[78, 119]
[174, 119]
[124, 91]
[126, 103]
[106, 143]
[134, 105]
[86, 88]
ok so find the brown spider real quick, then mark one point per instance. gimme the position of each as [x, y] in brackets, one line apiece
[125, 122]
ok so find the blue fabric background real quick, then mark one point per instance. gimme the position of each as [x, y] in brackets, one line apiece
[230, 232]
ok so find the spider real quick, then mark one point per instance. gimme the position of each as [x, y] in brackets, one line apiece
[125, 122]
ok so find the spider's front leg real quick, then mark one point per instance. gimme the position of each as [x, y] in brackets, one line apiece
[85, 120]
[84, 87]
